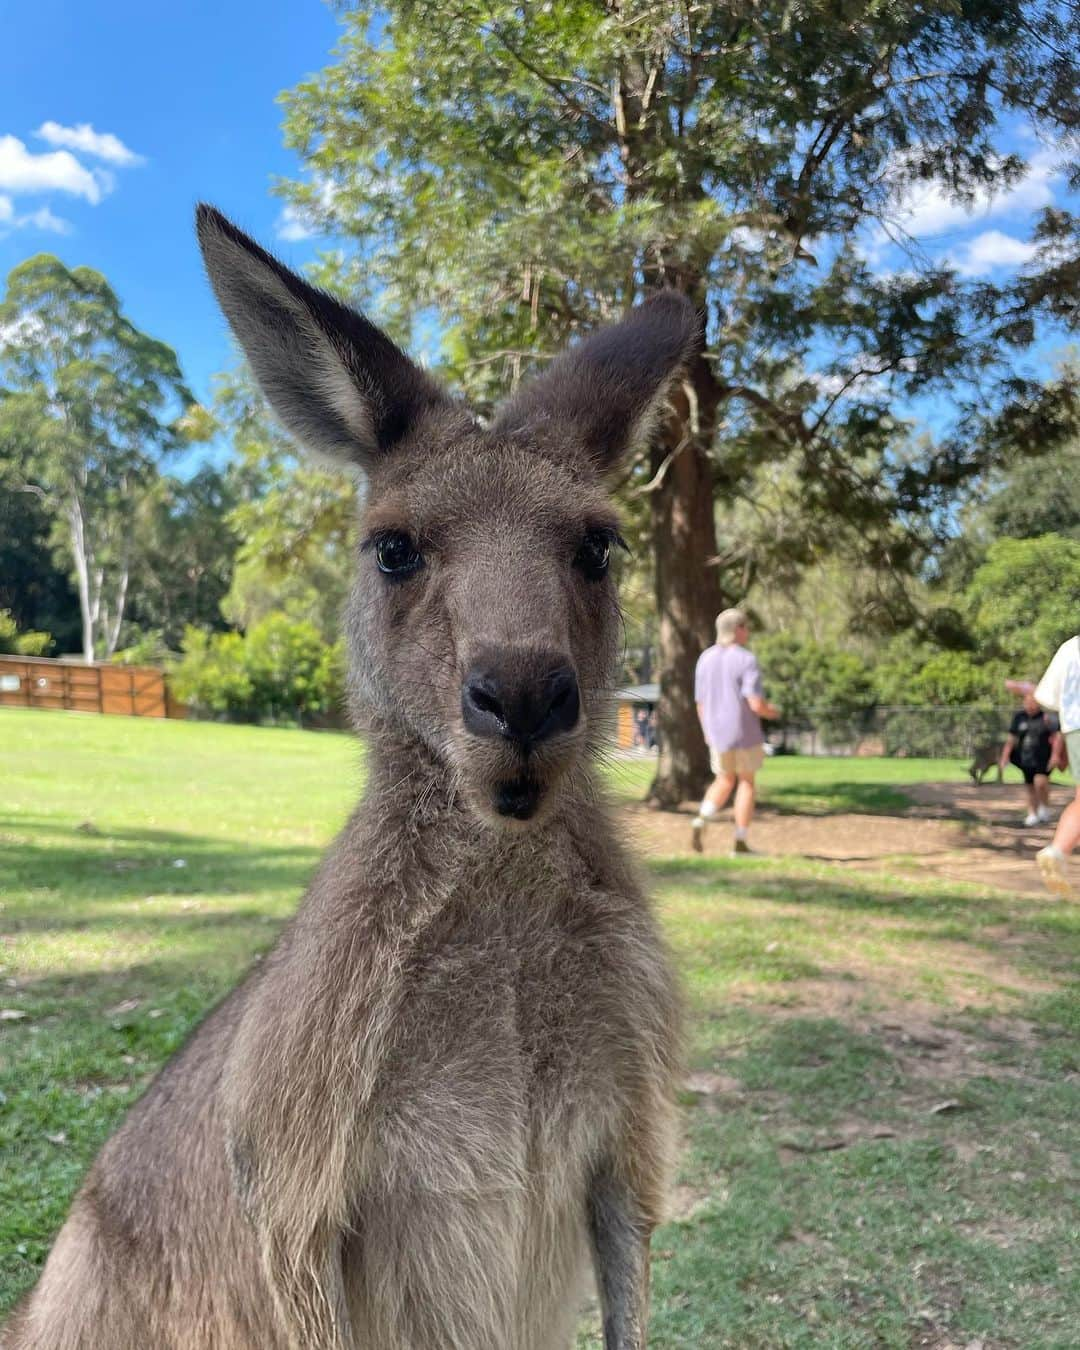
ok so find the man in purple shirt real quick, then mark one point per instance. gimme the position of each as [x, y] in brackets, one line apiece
[730, 704]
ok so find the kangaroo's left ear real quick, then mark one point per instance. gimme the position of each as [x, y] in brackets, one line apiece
[336, 381]
[605, 394]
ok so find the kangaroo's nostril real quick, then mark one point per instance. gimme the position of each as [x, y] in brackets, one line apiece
[563, 704]
[485, 702]
[481, 708]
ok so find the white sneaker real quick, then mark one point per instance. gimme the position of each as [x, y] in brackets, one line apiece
[1031, 819]
[1052, 870]
[1044, 815]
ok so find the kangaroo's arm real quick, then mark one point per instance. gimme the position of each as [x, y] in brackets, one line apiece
[620, 1238]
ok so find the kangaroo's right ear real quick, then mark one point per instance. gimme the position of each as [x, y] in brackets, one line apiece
[335, 380]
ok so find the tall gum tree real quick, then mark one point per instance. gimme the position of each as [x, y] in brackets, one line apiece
[526, 170]
[93, 403]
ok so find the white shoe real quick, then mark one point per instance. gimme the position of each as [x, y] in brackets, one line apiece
[1052, 870]
[1044, 815]
[1031, 819]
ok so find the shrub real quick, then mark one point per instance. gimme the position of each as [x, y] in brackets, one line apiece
[26, 643]
[285, 660]
[280, 670]
[211, 677]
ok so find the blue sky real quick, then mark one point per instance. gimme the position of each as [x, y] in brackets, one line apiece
[190, 89]
[116, 117]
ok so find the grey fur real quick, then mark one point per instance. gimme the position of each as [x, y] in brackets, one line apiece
[452, 1079]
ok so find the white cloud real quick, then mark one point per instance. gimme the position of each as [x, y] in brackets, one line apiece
[988, 250]
[926, 209]
[41, 219]
[55, 171]
[291, 225]
[99, 144]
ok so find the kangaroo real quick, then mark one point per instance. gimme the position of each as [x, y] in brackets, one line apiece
[984, 758]
[448, 1090]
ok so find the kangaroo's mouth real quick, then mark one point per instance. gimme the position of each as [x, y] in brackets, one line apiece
[517, 798]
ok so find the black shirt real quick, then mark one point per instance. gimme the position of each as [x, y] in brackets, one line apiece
[1033, 732]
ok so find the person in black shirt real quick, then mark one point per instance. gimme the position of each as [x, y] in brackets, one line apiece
[1028, 747]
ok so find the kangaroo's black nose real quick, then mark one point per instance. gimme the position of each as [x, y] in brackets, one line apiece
[497, 700]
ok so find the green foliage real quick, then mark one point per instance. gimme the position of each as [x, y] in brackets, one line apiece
[1024, 600]
[34, 583]
[294, 524]
[287, 663]
[26, 643]
[281, 670]
[814, 682]
[183, 553]
[212, 677]
[910, 673]
[144, 647]
[588, 158]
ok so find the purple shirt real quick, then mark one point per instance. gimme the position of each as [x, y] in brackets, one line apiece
[726, 677]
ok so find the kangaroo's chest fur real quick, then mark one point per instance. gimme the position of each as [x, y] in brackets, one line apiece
[534, 1018]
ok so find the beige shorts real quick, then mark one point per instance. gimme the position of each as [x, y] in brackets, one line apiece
[744, 762]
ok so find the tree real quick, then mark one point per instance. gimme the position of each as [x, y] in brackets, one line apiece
[531, 169]
[87, 403]
[1023, 600]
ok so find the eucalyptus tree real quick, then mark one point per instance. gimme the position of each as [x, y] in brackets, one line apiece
[93, 403]
[525, 170]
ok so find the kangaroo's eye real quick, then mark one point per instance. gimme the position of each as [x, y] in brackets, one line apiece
[397, 555]
[594, 556]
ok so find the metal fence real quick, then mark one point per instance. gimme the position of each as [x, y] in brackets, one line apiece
[957, 731]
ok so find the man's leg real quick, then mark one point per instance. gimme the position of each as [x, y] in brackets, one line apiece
[1042, 797]
[1032, 817]
[714, 801]
[745, 797]
[1051, 859]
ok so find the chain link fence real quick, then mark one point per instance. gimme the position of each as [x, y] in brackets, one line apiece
[959, 731]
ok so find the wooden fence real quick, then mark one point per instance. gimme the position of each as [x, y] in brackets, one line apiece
[132, 691]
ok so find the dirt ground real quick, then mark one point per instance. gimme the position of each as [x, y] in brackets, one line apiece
[956, 830]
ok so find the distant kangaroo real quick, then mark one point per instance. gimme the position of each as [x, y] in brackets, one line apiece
[451, 1083]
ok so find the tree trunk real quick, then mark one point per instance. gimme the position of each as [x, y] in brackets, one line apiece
[112, 629]
[687, 590]
[82, 573]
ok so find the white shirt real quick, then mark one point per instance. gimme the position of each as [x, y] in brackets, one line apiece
[1059, 688]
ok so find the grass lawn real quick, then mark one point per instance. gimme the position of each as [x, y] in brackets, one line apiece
[882, 1115]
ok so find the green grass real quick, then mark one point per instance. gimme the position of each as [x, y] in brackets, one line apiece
[823, 1201]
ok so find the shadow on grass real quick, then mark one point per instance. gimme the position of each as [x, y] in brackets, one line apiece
[67, 875]
[807, 798]
[947, 912]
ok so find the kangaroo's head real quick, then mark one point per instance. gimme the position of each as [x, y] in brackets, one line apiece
[484, 619]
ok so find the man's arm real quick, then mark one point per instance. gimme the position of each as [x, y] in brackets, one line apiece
[762, 707]
[1005, 758]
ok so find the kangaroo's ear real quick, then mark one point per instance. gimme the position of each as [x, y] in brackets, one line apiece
[607, 393]
[335, 380]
